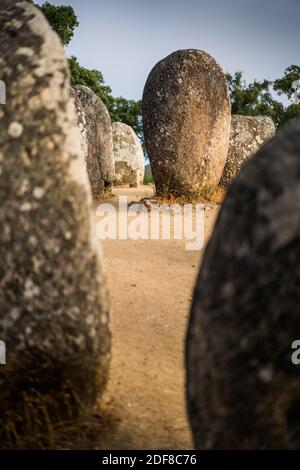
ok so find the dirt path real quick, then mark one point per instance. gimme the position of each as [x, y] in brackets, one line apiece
[151, 285]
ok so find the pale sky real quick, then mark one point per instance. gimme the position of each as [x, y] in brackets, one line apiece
[124, 39]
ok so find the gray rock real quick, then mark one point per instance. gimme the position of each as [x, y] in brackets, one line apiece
[96, 138]
[248, 134]
[128, 156]
[242, 388]
[53, 298]
[186, 115]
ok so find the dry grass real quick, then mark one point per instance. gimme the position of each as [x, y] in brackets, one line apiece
[40, 423]
[216, 198]
[218, 195]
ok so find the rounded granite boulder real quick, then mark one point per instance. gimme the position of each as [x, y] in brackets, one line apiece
[128, 156]
[186, 116]
[248, 134]
[243, 387]
[96, 138]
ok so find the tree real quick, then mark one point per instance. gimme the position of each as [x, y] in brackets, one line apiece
[284, 85]
[291, 112]
[245, 98]
[257, 98]
[129, 112]
[120, 109]
[251, 99]
[93, 79]
[62, 19]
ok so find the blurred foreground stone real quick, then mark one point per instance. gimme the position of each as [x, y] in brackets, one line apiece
[54, 313]
[242, 387]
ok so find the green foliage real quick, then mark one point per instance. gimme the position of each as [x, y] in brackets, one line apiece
[120, 110]
[129, 112]
[251, 99]
[148, 178]
[245, 98]
[90, 78]
[285, 84]
[62, 19]
[291, 112]
[257, 98]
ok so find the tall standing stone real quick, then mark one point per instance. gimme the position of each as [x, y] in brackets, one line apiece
[96, 138]
[54, 310]
[128, 156]
[248, 134]
[186, 115]
[242, 387]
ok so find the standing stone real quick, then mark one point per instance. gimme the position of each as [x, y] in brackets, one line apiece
[186, 115]
[96, 138]
[242, 387]
[248, 134]
[128, 156]
[53, 301]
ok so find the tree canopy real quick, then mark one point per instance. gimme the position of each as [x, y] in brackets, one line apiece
[120, 109]
[252, 99]
[258, 98]
[285, 84]
[90, 78]
[62, 19]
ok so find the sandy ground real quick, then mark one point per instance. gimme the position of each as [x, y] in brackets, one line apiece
[151, 284]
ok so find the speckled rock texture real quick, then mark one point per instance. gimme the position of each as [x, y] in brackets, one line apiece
[242, 388]
[96, 138]
[248, 134]
[186, 115]
[128, 156]
[54, 312]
